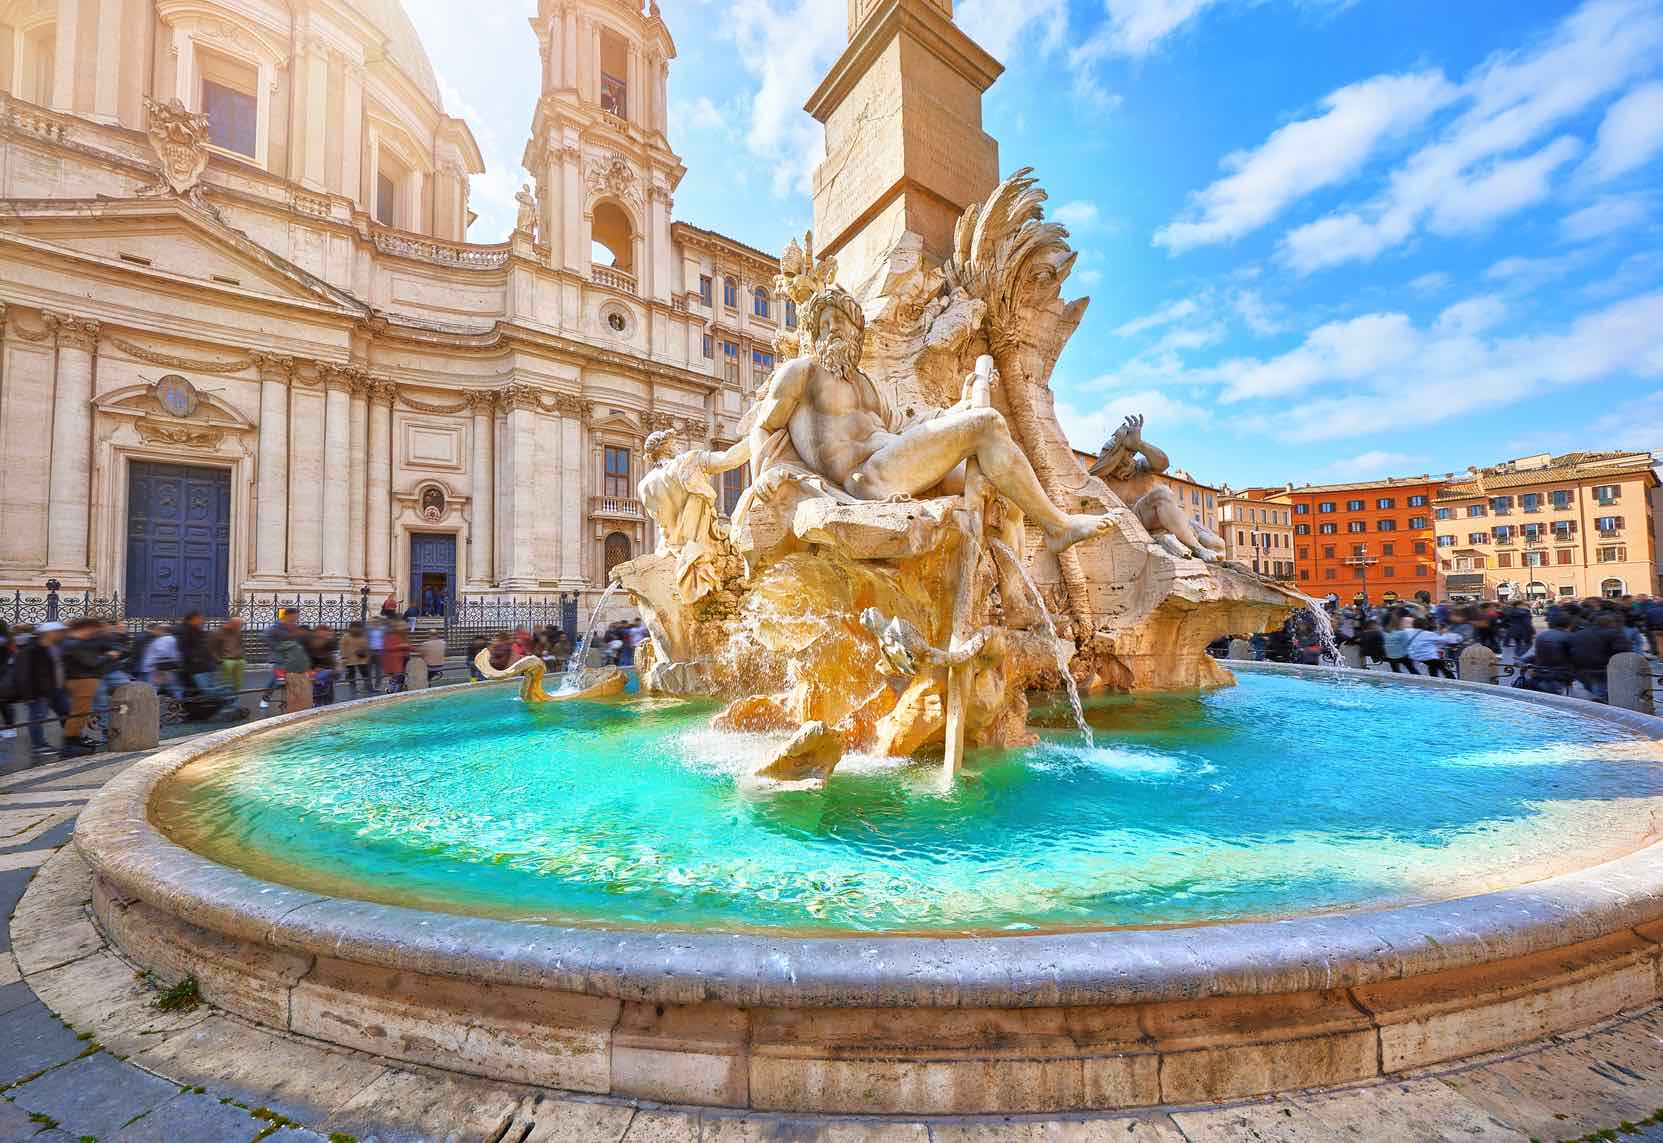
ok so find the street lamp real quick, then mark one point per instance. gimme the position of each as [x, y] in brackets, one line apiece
[1364, 561]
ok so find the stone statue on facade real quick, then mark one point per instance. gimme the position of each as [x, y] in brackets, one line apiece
[526, 223]
[179, 136]
[1130, 466]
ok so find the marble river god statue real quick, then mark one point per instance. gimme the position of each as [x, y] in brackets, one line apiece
[918, 547]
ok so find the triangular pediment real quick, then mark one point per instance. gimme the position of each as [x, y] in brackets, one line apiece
[169, 239]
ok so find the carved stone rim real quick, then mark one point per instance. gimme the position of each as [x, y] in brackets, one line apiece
[1122, 966]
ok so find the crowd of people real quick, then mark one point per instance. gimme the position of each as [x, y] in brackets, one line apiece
[616, 646]
[1552, 646]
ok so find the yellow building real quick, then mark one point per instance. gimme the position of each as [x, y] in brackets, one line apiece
[1257, 531]
[1550, 527]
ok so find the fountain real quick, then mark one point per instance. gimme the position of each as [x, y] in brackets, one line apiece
[825, 859]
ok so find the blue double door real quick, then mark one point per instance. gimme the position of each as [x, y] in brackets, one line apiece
[178, 540]
[432, 573]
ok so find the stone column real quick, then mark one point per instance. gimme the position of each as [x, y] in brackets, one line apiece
[106, 89]
[519, 404]
[357, 472]
[574, 414]
[69, 501]
[316, 90]
[379, 482]
[568, 43]
[271, 486]
[632, 85]
[594, 69]
[337, 500]
[481, 529]
[306, 474]
[352, 144]
[65, 50]
[577, 250]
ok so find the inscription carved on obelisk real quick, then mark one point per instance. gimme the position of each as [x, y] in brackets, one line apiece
[905, 149]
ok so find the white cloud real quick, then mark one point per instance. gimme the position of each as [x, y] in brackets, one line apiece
[1089, 429]
[1137, 27]
[1256, 313]
[1432, 283]
[1606, 216]
[1631, 135]
[786, 49]
[1385, 371]
[1638, 424]
[1000, 25]
[1078, 214]
[1372, 465]
[1466, 179]
[1166, 315]
[1306, 156]
[1472, 317]
[701, 114]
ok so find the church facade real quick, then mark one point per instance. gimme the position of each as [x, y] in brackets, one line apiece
[247, 349]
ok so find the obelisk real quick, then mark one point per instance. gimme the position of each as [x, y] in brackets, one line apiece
[905, 149]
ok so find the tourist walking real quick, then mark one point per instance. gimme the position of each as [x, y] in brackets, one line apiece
[1371, 641]
[86, 656]
[1548, 665]
[395, 650]
[281, 643]
[433, 651]
[39, 682]
[355, 660]
[1396, 645]
[1592, 648]
[321, 663]
[226, 646]
[8, 683]
[1425, 648]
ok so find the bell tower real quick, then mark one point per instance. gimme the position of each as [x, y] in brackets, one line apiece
[599, 147]
[905, 149]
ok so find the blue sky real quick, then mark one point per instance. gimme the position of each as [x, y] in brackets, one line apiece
[1324, 239]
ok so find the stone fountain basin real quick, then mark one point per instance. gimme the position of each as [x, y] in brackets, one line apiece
[1073, 1022]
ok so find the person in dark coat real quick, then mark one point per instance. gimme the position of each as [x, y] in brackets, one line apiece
[86, 657]
[38, 680]
[8, 684]
[1592, 648]
[1550, 658]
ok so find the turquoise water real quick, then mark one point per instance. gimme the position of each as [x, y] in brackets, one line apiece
[1276, 797]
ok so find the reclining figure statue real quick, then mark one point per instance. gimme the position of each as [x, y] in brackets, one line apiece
[822, 423]
[1130, 466]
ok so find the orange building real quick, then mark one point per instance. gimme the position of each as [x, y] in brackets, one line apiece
[1372, 538]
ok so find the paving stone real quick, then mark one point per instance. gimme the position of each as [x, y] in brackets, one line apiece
[15, 821]
[8, 970]
[12, 884]
[410, 1107]
[25, 860]
[555, 1120]
[101, 995]
[15, 1124]
[54, 838]
[190, 1116]
[13, 995]
[1423, 1111]
[40, 947]
[31, 1038]
[296, 1135]
[1132, 1129]
[94, 1095]
[297, 1080]
[1500, 1094]
[1566, 1083]
[775, 1129]
[662, 1127]
[1256, 1123]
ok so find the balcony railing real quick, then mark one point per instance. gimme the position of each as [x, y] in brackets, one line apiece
[402, 245]
[613, 279]
[616, 508]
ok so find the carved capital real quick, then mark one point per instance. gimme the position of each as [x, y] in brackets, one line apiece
[338, 378]
[518, 396]
[74, 332]
[571, 405]
[663, 195]
[277, 367]
[482, 402]
[383, 392]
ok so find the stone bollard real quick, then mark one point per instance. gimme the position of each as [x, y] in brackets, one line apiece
[1241, 650]
[135, 718]
[297, 692]
[1479, 664]
[1629, 678]
[415, 674]
[1351, 656]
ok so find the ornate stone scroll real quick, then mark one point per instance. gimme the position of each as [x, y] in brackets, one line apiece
[179, 136]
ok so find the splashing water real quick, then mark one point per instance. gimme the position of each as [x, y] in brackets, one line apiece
[1065, 651]
[1324, 628]
[573, 679]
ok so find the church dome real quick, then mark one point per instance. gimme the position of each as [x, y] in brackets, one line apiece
[404, 45]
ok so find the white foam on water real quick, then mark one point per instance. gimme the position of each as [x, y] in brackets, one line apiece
[1121, 760]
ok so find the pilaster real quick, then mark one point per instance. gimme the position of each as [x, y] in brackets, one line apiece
[519, 404]
[482, 496]
[69, 501]
[357, 474]
[336, 518]
[271, 482]
[379, 482]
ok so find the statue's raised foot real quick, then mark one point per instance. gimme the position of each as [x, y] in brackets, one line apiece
[1080, 529]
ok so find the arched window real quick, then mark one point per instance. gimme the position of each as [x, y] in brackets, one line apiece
[759, 302]
[730, 293]
[790, 315]
[617, 551]
[614, 238]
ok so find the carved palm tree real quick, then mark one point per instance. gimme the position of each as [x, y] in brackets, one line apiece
[1008, 256]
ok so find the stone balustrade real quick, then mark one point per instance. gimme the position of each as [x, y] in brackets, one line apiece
[401, 245]
[616, 507]
[614, 279]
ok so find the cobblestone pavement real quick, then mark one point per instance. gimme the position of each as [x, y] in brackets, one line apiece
[86, 1054]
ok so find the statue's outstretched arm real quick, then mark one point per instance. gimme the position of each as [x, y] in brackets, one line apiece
[735, 455]
[1156, 459]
